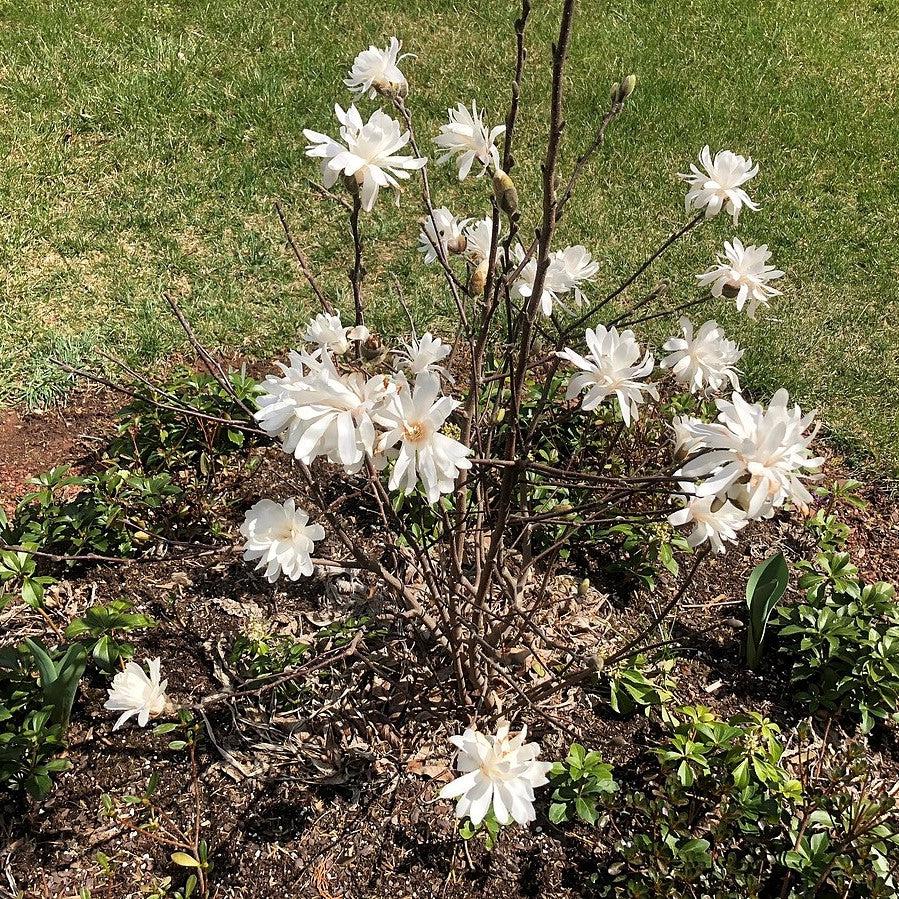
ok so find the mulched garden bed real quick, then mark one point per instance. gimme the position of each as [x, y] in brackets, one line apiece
[339, 801]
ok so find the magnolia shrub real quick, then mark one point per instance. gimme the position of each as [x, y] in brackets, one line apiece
[445, 435]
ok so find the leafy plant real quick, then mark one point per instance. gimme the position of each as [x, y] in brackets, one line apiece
[579, 785]
[843, 641]
[102, 626]
[701, 824]
[488, 830]
[159, 438]
[764, 590]
[37, 690]
[105, 512]
[640, 684]
[19, 571]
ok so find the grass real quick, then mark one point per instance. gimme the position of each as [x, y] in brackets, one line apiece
[146, 142]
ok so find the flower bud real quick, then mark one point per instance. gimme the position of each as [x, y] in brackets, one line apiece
[626, 88]
[615, 92]
[583, 587]
[456, 245]
[505, 193]
[478, 279]
[730, 291]
[372, 347]
[500, 416]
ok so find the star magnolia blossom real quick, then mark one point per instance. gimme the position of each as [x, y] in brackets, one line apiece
[133, 692]
[281, 538]
[744, 273]
[330, 334]
[755, 457]
[468, 138]
[567, 270]
[448, 235]
[477, 241]
[577, 266]
[705, 361]
[376, 71]
[555, 284]
[413, 420]
[368, 153]
[423, 355]
[500, 771]
[614, 367]
[720, 185]
[319, 412]
[713, 520]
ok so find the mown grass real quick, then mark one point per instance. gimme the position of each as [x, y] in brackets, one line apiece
[145, 143]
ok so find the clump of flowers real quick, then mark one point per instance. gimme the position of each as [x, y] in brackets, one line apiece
[134, 691]
[750, 462]
[497, 773]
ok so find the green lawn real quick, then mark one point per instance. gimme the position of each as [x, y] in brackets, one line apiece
[145, 142]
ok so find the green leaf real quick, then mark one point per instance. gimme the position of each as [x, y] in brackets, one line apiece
[764, 590]
[184, 860]
[558, 812]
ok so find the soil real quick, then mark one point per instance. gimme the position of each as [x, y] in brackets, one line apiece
[336, 799]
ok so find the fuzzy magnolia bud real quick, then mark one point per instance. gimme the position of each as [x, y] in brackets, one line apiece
[478, 279]
[583, 587]
[372, 347]
[456, 245]
[626, 88]
[615, 92]
[505, 193]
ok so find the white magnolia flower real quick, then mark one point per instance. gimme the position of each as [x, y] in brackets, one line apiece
[685, 439]
[743, 273]
[555, 284]
[423, 355]
[756, 457]
[413, 420]
[576, 265]
[448, 235]
[468, 138]
[330, 334]
[720, 185]
[317, 411]
[281, 538]
[712, 519]
[376, 71]
[567, 270]
[477, 241]
[367, 152]
[614, 367]
[133, 692]
[705, 361]
[500, 771]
